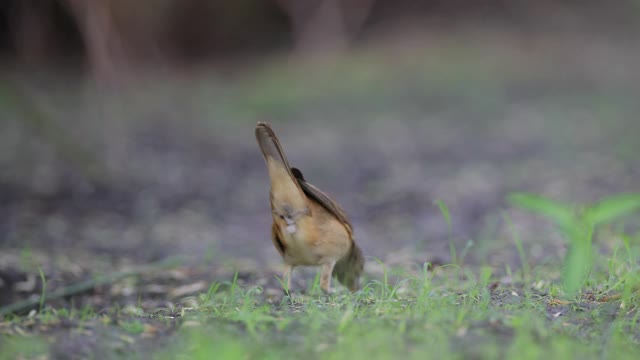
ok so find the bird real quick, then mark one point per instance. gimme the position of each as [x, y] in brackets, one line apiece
[309, 228]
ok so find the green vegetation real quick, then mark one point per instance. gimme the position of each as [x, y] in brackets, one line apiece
[447, 312]
[434, 314]
[578, 226]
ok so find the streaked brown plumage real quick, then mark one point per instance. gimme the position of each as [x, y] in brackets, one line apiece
[309, 228]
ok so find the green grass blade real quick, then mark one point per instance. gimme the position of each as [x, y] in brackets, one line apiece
[613, 207]
[444, 210]
[44, 289]
[576, 267]
[526, 271]
[559, 213]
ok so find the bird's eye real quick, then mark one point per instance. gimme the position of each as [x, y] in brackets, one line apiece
[281, 217]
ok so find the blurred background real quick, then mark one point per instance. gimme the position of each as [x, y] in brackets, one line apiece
[126, 130]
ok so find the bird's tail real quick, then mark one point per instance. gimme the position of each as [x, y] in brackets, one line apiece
[270, 146]
[285, 189]
[348, 269]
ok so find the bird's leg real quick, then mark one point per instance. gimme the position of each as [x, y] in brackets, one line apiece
[286, 276]
[325, 276]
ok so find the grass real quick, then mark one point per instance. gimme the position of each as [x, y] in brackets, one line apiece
[578, 227]
[447, 312]
[420, 315]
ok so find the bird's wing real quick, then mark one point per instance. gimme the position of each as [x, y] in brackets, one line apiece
[323, 199]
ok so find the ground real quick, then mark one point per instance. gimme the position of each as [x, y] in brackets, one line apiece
[135, 220]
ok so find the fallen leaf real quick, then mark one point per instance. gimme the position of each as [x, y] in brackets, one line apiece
[556, 302]
[149, 331]
[127, 339]
[188, 289]
[461, 332]
[191, 323]
[26, 286]
[155, 289]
